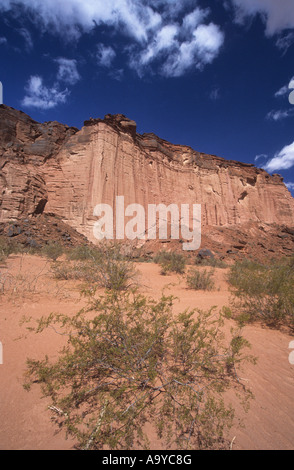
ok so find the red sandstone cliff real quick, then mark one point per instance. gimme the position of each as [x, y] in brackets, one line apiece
[54, 168]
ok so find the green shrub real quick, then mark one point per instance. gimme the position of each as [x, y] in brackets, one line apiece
[200, 280]
[52, 251]
[210, 261]
[170, 262]
[7, 247]
[106, 267]
[263, 292]
[78, 271]
[81, 253]
[130, 361]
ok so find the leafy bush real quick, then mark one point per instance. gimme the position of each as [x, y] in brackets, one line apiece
[170, 262]
[52, 251]
[107, 267]
[200, 280]
[7, 247]
[78, 271]
[81, 253]
[210, 261]
[263, 292]
[128, 362]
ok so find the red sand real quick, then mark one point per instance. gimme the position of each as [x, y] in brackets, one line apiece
[30, 291]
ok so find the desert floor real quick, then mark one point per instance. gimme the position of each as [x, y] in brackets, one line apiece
[31, 291]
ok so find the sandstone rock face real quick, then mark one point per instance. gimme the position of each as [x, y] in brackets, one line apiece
[25, 145]
[57, 169]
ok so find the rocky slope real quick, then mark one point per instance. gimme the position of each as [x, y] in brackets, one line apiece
[56, 169]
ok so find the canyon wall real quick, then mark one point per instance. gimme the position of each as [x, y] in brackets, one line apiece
[58, 169]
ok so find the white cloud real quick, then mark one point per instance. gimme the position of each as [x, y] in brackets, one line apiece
[3, 40]
[284, 42]
[180, 54]
[42, 97]
[283, 160]
[78, 16]
[215, 94]
[280, 114]
[285, 90]
[116, 74]
[259, 157]
[165, 39]
[172, 9]
[170, 35]
[194, 19]
[203, 47]
[67, 71]
[278, 15]
[282, 91]
[105, 55]
[28, 42]
[290, 186]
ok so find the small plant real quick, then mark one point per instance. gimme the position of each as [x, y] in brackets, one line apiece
[81, 253]
[116, 269]
[227, 312]
[7, 247]
[210, 261]
[200, 280]
[130, 362]
[78, 271]
[52, 251]
[106, 266]
[170, 262]
[263, 292]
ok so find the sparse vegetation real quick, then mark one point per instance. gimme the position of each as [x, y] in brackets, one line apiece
[52, 251]
[106, 266]
[263, 292]
[200, 279]
[81, 253]
[128, 362]
[7, 247]
[210, 261]
[170, 262]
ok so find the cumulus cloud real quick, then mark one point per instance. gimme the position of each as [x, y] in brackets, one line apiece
[78, 16]
[284, 90]
[284, 42]
[278, 15]
[181, 49]
[283, 160]
[42, 97]
[290, 186]
[105, 55]
[171, 35]
[280, 114]
[67, 71]
[193, 19]
[26, 35]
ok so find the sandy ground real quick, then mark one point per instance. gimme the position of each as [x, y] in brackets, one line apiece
[30, 291]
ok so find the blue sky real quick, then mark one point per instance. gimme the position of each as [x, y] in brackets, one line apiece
[214, 75]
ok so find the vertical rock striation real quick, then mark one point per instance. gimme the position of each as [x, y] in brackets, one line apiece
[58, 169]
